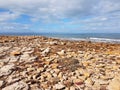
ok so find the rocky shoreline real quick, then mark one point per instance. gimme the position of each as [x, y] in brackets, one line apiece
[41, 63]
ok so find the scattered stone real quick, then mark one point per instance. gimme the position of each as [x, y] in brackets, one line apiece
[17, 86]
[54, 66]
[103, 87]
[53, 43]
[89, 82]
[35, 87]
[1, 83]
[54, 75]
[46, 51]
[2, 64]
[5, 60]
[96, 86]
[6, 70]
[78, 82]
[49, 76]
[41, 69]
[69, 64]
[52, 71]
[59, 86]
[57, 71]
[25, 56]
[30, 69]
[13, 59]
[53, 81]
[31, 59]
[115, 84]
[62, 52]
[85, 63]
[4, 48]
[118, 61]
[68, 83]
[86, 74]
[72, 88]
[15, 53]
[60, 75]
[47, 62]
[107, 77]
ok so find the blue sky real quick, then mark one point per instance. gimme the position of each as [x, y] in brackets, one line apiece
[61, 16]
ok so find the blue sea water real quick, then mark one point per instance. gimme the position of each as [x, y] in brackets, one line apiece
[97, 37]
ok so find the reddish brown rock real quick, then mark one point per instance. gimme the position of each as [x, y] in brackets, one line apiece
[15, 53]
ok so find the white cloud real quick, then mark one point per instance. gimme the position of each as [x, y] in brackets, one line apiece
[104, 14]
[14, 27]
[4, 16]
[54, 9]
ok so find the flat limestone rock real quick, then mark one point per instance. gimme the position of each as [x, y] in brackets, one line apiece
[6, 70]
[13, 59]
[114, 84]
[2, 49]
[1, 83]
[46, 51]
[5, 60]
[17, 86]
[59, 86]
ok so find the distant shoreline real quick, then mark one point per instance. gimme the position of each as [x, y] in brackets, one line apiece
[91, 39]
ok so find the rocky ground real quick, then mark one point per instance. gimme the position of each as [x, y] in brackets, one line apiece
[40, 63]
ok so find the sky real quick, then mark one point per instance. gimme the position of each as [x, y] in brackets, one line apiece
[60, 16]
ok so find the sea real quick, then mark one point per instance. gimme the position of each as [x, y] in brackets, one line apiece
[95, 37]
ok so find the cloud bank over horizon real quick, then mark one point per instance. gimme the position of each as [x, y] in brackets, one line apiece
[60, 16]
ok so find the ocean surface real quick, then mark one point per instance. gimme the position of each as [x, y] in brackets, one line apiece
[96, 37]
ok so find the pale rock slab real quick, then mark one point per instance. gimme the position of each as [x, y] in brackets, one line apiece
[6, 70]
[17, 86]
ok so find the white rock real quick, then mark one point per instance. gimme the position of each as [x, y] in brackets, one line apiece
[56, 71]
[5, 59]
[59, 86]
[12, 79]
[46, 51]
[2, 49]
[17, 86]
[6, 70]
[65, 77]
[13, 59]
[32, 59]
[114, 84]
[54, 75]
[66, 88]
[24, 57]
[89, 82]
[1, 83]
[53, 43]
[52, 71]
[72, 88]
[62, 52]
